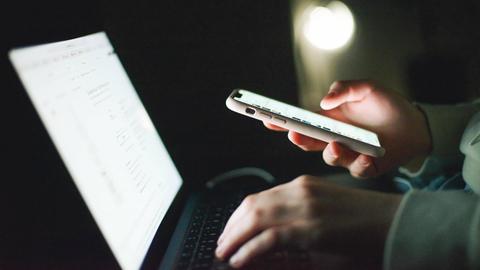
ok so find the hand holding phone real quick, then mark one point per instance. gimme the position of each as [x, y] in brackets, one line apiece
[401, 126]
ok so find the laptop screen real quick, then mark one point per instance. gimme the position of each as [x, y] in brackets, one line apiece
[105, 138]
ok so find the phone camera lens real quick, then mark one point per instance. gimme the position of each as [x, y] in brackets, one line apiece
[250, 111]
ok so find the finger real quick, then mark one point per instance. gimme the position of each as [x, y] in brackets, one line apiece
[306, 143]
[363, 167]
[337, 155]
[250, 225]
[236, 215]
[271, 211]
[232, 220]
[270, 239]
[262, 243]
[336, 114]
[248, 203]
[274, 127]
[345, 91]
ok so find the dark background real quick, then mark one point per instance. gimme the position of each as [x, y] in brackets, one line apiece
[183, 57]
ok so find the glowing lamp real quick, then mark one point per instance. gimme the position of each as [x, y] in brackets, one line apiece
[329, 27]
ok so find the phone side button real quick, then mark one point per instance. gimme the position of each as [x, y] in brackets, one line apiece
[279, 120]
[265, 115]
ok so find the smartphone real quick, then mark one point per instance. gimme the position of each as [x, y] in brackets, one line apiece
[304, 122]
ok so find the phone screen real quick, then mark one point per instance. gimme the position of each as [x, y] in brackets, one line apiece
[309, 118]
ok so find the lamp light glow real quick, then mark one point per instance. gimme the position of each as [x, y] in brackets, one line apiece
[329, 27]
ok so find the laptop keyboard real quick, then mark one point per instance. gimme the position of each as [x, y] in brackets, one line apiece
[207, 223]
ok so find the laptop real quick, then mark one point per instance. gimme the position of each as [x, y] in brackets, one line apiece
[147, 214]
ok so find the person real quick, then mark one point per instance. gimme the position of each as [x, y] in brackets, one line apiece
[420, 229]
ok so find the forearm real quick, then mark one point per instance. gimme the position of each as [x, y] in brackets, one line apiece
[435, 230]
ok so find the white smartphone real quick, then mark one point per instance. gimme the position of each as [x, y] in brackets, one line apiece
[304, 122]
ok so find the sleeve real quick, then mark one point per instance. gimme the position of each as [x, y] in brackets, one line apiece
[447, 124]
[435, 230]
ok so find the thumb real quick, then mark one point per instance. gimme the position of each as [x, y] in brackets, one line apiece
[345, 91]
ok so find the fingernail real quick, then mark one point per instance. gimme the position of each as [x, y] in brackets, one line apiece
[235, 261]
[220, 239]
[324, 103]
[365, 163]
[333, 86]
[332, 154]
[219, 251]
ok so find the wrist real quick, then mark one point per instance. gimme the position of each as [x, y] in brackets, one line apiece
[414, 166]
[421, 142]
[391, 203]
[424, 137]
[378, 223]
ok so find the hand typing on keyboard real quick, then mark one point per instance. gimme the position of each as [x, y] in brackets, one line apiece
[307, 213]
